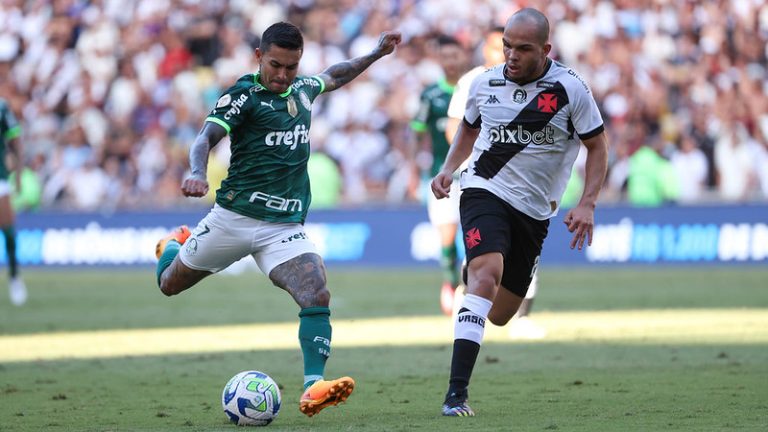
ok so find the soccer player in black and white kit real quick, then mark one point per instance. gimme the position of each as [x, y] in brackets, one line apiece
[523, 124]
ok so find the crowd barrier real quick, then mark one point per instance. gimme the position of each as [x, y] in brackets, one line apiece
[402, 237]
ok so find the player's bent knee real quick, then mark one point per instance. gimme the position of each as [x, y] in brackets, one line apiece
[499, 320]
[168, 288]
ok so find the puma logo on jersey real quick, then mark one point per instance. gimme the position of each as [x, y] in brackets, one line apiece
[268, 104]
[492, 99]
[504, 135]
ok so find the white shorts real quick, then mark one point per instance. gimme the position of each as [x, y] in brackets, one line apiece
[5, 188]
[223, 237]
[444, 211]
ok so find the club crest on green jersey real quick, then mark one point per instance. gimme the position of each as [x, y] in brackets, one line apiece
[290, 103]
[305, 102]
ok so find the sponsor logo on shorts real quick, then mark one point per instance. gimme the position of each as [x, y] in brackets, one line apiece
[297, 236]
[472, 238]
[191, 246]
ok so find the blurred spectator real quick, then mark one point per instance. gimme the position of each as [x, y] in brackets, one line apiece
[690, 163]
[651, 181]
[325, 180]
[137, 78]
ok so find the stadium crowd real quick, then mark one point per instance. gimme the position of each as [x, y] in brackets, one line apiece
[111, 93]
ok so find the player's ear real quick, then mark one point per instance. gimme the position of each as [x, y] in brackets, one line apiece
[258, 54]
[547, 48]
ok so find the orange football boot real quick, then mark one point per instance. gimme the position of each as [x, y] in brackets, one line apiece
[323, 394]
[180, 234]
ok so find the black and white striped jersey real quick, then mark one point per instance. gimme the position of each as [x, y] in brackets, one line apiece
[529, 136]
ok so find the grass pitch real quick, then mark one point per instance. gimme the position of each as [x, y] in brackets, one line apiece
[645, 350]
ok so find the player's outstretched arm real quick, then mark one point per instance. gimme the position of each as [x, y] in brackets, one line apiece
[581, 219]
[341, 73]
[196, 185]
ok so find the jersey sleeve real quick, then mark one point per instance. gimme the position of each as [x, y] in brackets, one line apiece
[232, 108]
[316, 86]
[586, 117]
[459, 98]
[471, 110]
[419, 123]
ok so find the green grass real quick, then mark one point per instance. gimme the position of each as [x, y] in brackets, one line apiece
[629, 350]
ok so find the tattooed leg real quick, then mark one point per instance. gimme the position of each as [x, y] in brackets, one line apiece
[304, 279]
[179, 277]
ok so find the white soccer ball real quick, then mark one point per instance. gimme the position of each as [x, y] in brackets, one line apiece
[251, 398]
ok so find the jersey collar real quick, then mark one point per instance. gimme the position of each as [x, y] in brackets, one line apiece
[444, 86]
[256, 82]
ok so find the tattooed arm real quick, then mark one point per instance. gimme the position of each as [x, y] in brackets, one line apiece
[341, 73]
[196, 185]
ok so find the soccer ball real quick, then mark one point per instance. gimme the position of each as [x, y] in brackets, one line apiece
[251, 398]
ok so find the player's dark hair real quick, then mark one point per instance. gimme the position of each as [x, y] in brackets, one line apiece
[282, 34]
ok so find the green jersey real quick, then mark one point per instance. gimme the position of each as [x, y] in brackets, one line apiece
[9, 129]
[432, 117]
[269, 134]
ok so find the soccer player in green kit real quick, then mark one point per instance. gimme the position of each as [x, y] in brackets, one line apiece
[9, 140]
[262, 204]
[429, 124]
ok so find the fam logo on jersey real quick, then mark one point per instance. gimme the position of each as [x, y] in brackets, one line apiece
[547, 102]
[492, 99]
[502, 134]
[519, 96]
[235, 108]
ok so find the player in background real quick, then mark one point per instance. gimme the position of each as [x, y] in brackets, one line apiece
[429, 125]
[522, 327]
[522, 127]
[262, 204]
[10, 130]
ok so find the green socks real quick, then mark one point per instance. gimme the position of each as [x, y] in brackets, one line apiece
[315, 341]
[448, 257]
[10, 250]
[170, 252]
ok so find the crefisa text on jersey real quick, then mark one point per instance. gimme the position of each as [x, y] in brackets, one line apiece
[236, 105]
[292, 138]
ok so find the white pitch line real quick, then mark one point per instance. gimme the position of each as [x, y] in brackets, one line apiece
[685, 326]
